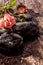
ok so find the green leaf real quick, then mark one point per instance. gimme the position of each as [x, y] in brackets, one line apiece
[13, 2]
[1, 7]
[20, 15]
[7, 5]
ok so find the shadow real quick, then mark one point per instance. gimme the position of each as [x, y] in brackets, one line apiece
[12, 52]
[27, 49]
[31, 48]
[19, 50]
[33, 14]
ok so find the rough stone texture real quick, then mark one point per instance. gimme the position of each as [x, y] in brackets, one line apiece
[32, 52]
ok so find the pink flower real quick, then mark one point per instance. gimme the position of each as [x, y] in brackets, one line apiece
[2, 22]
[8, 21]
